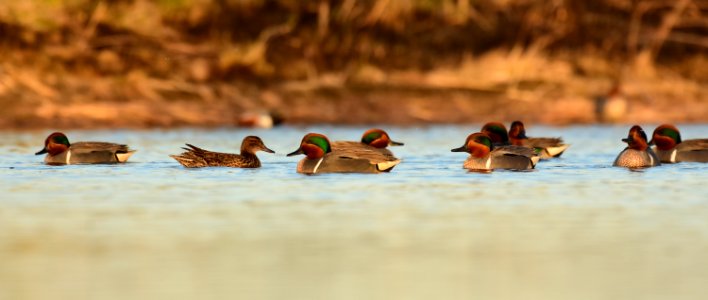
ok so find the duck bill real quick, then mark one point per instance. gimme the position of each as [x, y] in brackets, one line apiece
[296, 152]
[394, 143]
[460, 149]
[651, 143]
[626, 140]
[266, 149]
[43, 151]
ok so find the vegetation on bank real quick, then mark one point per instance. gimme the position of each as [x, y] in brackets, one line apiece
[221, 57]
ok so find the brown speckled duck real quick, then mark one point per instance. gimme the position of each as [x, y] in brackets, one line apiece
[671, 149]
[637, 154]
[196, 157]
[60, 152]
[545, 147]
[321, 157]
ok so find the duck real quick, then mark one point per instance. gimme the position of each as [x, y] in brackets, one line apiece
[60, 152]
[500, 137]
[637, 154]
[545, 147]
[485, 156]
[613, 106]
[671, 149]
[375, 137]
[196, 157]
[322, 157]
[260, 119]
[497, 132]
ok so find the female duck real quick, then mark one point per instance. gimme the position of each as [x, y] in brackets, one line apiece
[372, 138]
[484, 156]
[545, 147]
[671, 149]
[321, 157]
[60, 152]
[196, 157]
[637, 154]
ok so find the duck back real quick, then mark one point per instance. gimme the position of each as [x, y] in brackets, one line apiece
[693, 151]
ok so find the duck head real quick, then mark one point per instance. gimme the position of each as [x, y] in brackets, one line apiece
[252, 144]
[55, 144]
[497, 132]
[517, 132]
[314, 146]
[378, 138]
[666, 137]
[478, 144]
[636, 139]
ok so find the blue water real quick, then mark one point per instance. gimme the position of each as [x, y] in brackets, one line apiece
[573, 227]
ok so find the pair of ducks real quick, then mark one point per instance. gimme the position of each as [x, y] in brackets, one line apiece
[322, 156]
[495, 148]
[670, 148]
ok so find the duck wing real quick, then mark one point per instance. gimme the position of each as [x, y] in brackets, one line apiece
[195, 157]
[513, 158]
[693, 150]
[357, 150]
[88, 147]
[693, 145]
[543, 142]
[512, 150]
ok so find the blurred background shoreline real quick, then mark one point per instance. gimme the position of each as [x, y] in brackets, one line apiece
[166, 63]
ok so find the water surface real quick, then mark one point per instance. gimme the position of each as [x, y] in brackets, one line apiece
[574, 228]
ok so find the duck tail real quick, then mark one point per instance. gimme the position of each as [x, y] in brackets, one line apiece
[184, 160]
[387, 166]
[123, 157]
[557, 151]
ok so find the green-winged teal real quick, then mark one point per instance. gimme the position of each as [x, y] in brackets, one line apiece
[671, 149]
[637, 154]
[545, 147]
[196, 157]
[60, 152]
[321, 157]
[260, 119]
[485, 156]
[497, 132]
[376, 138]
[613, 106]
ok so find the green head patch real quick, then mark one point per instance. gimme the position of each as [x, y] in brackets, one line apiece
[484, 140]
[673, 134]
[370, 137]
[497, 132]
[320, 142]
[61, 139]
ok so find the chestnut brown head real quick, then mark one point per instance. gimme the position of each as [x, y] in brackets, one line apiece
[636, 139]
[666, 137]
[378, 138]
[478, 144]
[314, 146]
[54, 144]
[497, 132]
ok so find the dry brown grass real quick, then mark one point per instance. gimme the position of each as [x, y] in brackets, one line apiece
[168, 62]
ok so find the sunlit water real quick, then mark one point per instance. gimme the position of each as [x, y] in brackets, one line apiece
[574, 228]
